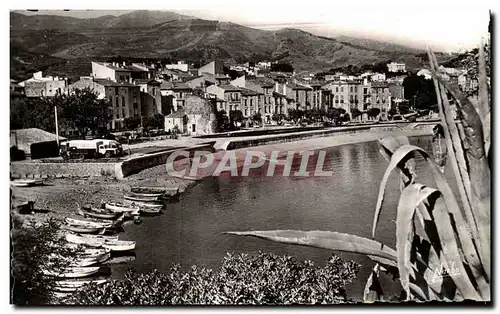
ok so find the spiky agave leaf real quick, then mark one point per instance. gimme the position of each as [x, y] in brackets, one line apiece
[410, 198]
[335, 241]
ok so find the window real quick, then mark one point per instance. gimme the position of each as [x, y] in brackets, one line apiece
[350, 89]
[245, 101]
[337, 89]
[246, 112]
[194, 127]
[251, 102]
[123, 113]
[116, 101]
[154, 91]
[134, 94]
[123, 101]
[342, 89]
[355, 89]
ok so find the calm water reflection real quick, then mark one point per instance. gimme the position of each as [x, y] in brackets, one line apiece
[190, 232]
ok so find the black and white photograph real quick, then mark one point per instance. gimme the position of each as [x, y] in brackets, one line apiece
[270, 153]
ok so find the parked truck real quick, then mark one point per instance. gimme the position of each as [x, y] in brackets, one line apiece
[90, 149]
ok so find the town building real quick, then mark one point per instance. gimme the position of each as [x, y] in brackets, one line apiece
[378, 77]
[396, 67]
[150, 97]
[112, 71]
[196, 118]
[177, 91]
[381, 98]
[124, 98]
[215, 67]
[229, 93]
[180, 65]
[40, 86]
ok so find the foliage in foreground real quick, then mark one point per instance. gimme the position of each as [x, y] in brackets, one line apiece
[242, 279]
[31, 251]
[442, 249]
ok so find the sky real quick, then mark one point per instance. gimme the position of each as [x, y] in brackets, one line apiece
[449, 26]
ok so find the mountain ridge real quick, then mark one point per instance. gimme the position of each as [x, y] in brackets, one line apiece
[160, 34]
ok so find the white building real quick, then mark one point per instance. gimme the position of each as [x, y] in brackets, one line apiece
[181, 66]
[378, 77]
[396, 67]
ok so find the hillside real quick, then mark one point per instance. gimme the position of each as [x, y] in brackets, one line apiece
[155, 34]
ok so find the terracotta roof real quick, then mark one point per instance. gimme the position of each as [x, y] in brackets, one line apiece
[178, 114]
[112, 67]
[297, 86]
[229, 88]
[379, 85]
[146, 81]
[249, 92]
[26, 137]
[133, 68]
[174, 85]
[106, 82]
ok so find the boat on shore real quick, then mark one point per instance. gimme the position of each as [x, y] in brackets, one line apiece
[83, 229]
[119, 245]
[118, 207]
[99, 236]
[139, 205]
[77, 239]
[98, 213]
[72, 272]
[70, 285]
[141, 198]
[88, 223]
[26, 182]
[150, 211]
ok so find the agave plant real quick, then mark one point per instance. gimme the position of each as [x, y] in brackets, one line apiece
[442, 248]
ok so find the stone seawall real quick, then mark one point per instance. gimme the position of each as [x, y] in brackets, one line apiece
[229, 144]
[136, 164]
[46, 170]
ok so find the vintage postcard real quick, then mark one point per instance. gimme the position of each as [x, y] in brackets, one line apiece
[230, 157]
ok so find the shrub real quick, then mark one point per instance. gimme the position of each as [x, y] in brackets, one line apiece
[31, 248]
[242, 279]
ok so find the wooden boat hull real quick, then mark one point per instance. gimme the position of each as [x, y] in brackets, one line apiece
[73, 238]
[141, 205]
[78, 229]
[73, 285]
[73, 272]
[121, 208]
[119, 246]
[144, 198]
[25, 182]
[150, 211]
[101, 215]
[87, 223]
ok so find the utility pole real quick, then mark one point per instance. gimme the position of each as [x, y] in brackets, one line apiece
[57, 128]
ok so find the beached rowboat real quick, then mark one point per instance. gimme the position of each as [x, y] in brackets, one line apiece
[141, 205]
[72, 285]
[88, 223]
[26, 182]
[73, 238]
[83, 229]
[98, 213]
[139, 198]
[150, 211]
[121, 207]
[119, 245]
[72, 272]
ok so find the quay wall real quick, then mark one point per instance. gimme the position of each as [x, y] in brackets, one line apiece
[136, 164]
[418, 127]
